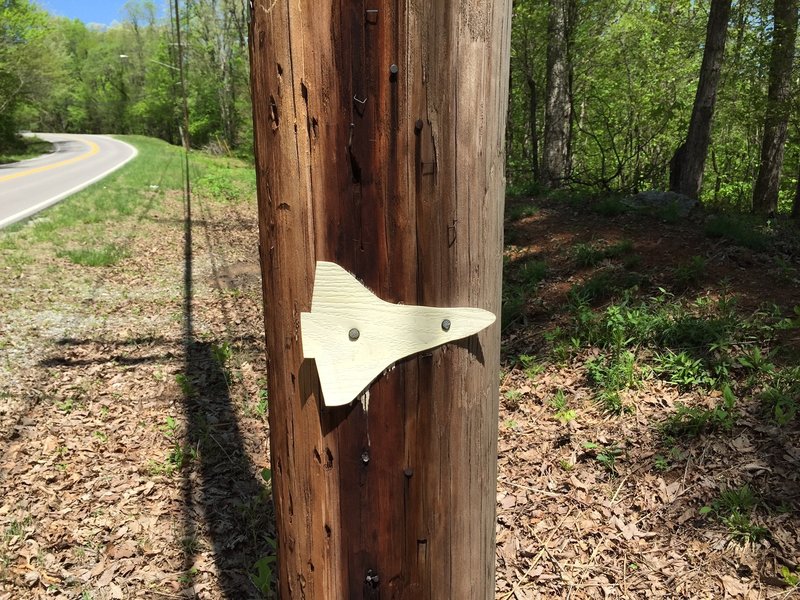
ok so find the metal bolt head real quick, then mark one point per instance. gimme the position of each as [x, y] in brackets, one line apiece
[354, 334]
[446, 325]
[365, 457]
[394, 69]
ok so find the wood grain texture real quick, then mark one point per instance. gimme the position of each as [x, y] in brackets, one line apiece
[384, 332]
[398, 178]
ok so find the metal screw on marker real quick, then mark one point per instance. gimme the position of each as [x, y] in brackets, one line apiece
[446, 325]
[354, 334]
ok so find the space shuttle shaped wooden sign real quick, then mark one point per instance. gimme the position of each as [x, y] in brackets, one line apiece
[354, 336]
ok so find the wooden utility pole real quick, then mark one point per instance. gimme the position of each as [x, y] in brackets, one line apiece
[379, 130]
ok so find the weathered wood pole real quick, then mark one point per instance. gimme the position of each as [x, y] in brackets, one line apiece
[379, 129]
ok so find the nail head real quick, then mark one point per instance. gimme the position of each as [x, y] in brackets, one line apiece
[394, 69]
[354, 334]
[446, 325]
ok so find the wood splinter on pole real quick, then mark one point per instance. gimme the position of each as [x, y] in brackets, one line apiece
[379, 131]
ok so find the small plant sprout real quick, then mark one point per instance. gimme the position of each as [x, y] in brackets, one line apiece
[561, 407]
[734, 508]
[530, 366]
[790, 578]
[513, 398]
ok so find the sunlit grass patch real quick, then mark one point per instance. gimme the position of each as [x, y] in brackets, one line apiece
[105, 256]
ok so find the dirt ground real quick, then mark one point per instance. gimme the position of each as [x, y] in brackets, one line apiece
[133, 428]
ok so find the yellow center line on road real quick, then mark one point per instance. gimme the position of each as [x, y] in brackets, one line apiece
[93, 149]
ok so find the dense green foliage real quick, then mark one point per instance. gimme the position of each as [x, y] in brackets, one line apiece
[635, 67]
[58, 74]
[635, 71]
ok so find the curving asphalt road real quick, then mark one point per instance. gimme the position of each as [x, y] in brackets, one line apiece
[78, 161]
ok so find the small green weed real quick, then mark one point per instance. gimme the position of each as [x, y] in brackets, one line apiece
[531, 367]
[734, 508]
[262, 404]
[781, 397]
[170, 427]
[181, 456]
[738, 230]
[561, 407]
[187, 389]
[610, 206]
[262, 574]
[606, 455]
[513, 307]
[691, 421]
[17, 528]
[187, 577]
[589, 255]
[661, 463]
[105, 256]
[520, 210]
[603, 285]
[612, 374]
[513, 398]
[756, 362]
[789, 578]
[222, 353]
[690, 273]
[531, 273]
[682, 370]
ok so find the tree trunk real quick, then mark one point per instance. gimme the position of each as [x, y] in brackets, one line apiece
[765, 193]
[796, 201]
[558, 106]
[379, 146]
[686, 167]
[534, 111]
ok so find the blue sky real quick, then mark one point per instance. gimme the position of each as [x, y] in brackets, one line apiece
[88, 11]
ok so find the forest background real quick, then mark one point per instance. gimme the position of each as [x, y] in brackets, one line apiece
[620, 78]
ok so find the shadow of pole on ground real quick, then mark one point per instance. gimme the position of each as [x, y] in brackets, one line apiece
[225, 500]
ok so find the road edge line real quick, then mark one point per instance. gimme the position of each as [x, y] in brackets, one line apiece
[50, 201]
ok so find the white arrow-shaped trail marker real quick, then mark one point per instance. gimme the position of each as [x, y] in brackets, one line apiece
[354, 336]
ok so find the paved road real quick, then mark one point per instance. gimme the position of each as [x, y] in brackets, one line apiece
[79, 160]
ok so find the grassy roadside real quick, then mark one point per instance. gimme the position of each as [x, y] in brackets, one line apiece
[131, 389]
[79, 228]
[25, 148]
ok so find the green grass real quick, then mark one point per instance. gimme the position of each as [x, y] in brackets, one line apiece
[94, 227]
[520, 279]
[604, 285]
[739, 230]
[122, 193]
[589, 255]
[104, 256]
[690, 273]
[228, 182]
[25, 148]
[519, 210]
[612, 374]
[734, 508]
[610, 206]
[691, 421]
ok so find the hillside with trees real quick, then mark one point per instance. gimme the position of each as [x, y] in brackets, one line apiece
[58, 74]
